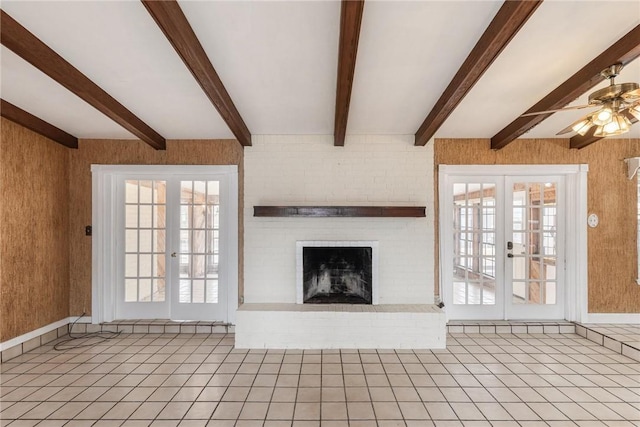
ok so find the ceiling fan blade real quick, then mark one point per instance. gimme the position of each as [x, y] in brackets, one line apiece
[566, 130]
[629, 115]
[570, 127]
[575, 107]
[631, 95]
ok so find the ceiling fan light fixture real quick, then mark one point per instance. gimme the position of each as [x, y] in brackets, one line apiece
[603, 116]
[583, 126]
[599, 132]
[617, 126]
[617, 109]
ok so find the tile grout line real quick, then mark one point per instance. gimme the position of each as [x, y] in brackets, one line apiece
[194, 372]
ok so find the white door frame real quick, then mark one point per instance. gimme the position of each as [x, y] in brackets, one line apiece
[575, 293]
[104, 241]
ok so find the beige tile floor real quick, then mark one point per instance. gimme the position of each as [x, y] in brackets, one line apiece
[201, 380]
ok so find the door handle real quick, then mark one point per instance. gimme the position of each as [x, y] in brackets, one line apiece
[509, 255]
[173, 254]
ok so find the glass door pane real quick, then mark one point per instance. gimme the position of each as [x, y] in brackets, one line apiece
[534, 232]
[475, 237]
[199, 296]
[144, 286]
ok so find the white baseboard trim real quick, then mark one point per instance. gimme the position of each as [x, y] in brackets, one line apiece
[41, 331]
[33, 334]
[629, 318]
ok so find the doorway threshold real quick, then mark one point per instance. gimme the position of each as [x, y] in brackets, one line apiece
[511, 327]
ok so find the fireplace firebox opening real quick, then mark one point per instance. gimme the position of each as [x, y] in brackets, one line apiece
[337, 275]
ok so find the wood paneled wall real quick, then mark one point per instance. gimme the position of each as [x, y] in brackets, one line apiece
[612, 249]
[34, 231]
[178, 152]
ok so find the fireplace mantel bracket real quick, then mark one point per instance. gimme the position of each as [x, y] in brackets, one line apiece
[340, 211]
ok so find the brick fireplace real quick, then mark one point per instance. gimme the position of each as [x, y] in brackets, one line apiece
[309, 171]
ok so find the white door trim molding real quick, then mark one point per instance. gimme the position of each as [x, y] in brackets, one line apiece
[103, 217]
[103, 267]
[511, 169]
[576, 286]
[577, 254]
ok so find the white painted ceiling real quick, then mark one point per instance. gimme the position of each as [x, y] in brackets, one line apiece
[278, 61]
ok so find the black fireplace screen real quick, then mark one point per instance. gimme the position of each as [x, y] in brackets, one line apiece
[337, 275]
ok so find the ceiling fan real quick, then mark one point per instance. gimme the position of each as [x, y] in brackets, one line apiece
[619, 108]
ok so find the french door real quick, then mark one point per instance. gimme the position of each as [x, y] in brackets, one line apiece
[503, 246]
[173, 245]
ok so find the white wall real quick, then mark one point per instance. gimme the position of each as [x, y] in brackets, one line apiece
[309, 170]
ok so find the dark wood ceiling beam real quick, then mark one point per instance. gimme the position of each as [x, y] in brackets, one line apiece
[623, 51]
[504, 26]
[580, 141]
[36, 124]
[350, 22]
[18, 39]
[173, 23]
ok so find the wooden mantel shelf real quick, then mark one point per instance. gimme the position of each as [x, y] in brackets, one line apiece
[340, 211]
